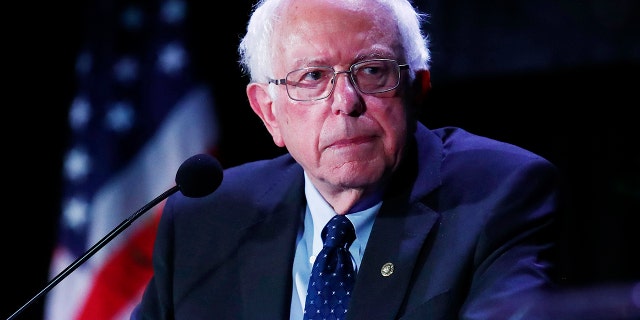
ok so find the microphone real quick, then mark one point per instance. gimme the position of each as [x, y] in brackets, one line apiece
[196, 177]
[199, 176]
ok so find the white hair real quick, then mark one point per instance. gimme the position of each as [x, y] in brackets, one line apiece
[256, 50]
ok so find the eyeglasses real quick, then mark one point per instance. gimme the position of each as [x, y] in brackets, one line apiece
[317, 83]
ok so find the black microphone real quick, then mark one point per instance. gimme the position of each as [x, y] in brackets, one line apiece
[197, 177]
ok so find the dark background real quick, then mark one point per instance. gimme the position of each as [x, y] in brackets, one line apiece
[558, 77]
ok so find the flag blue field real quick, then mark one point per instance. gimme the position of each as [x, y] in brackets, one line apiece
[137, 115]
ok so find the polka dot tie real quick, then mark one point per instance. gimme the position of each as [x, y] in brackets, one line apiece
[332, 276]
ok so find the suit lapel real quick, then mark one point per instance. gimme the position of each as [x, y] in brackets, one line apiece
[387, 266]
[268, 252]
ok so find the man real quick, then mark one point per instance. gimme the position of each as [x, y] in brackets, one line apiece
[448, 225]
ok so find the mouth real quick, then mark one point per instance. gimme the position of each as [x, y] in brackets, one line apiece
[350, 142]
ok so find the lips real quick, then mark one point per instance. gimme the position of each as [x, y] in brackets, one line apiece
[348, 135]
[351, 141]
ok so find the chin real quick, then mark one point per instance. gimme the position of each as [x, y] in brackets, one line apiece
[358, 174]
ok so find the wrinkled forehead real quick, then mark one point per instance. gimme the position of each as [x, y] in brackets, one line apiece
[340, 29]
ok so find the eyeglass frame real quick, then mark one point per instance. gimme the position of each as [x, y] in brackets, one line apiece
[400, 67]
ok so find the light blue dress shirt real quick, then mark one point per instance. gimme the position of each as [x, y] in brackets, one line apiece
[309, 242]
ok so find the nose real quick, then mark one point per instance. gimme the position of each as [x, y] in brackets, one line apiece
[346, 98]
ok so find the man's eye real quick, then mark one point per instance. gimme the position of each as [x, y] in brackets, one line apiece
[313, 75]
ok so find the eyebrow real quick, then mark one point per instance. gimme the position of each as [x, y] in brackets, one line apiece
[305, 62]
[383, 52]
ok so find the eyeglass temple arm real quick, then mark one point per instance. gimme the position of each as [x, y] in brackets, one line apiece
[278, 81]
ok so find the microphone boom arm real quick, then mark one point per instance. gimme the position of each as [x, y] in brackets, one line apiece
[96, 247]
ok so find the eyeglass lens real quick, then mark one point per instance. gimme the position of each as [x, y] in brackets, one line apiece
[371, 76]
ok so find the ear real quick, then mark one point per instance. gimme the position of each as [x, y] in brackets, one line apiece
[422, 86]
[262, 104]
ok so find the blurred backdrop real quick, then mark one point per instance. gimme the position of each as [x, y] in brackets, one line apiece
[559, 77]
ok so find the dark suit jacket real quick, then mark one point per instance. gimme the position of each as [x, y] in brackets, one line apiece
[466, 224]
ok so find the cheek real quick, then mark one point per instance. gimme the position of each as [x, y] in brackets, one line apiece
[299, 125]
[393, 119]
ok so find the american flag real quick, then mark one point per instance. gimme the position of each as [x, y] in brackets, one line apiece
[137, 115]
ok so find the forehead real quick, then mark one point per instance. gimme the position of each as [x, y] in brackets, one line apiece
[334, 31]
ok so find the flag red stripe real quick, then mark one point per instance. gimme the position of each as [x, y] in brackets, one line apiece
[123, 276]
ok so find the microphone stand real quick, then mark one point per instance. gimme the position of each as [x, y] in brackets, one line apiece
[89, 253]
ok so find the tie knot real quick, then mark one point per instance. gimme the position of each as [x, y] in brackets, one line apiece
[338, 232]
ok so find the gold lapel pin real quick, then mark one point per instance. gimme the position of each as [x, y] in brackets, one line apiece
[387, 269]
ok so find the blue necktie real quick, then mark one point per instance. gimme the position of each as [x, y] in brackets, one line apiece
[332, 276]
